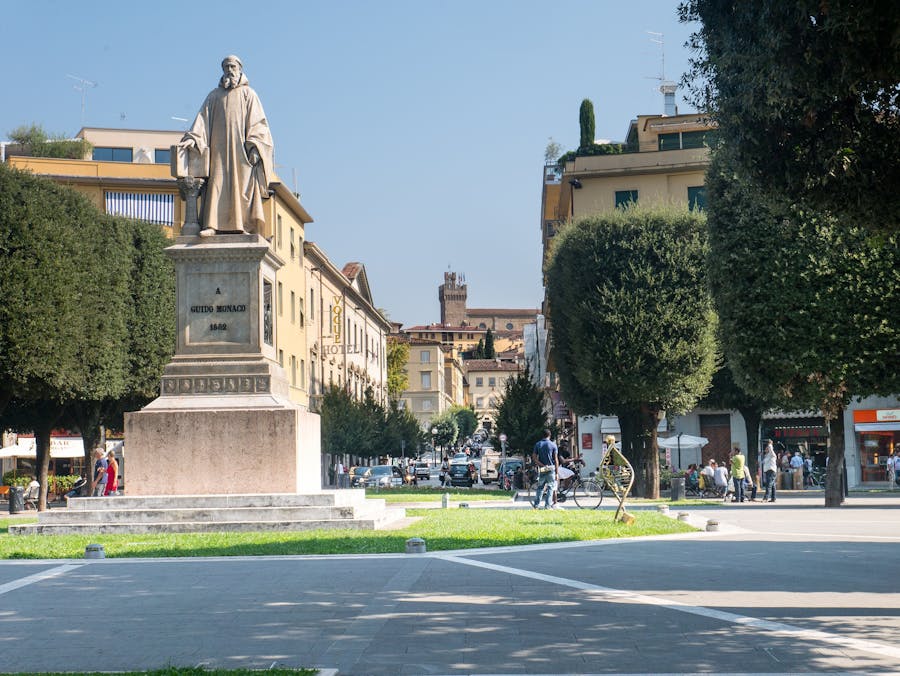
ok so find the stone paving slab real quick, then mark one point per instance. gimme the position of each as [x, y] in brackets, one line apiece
[808, 592]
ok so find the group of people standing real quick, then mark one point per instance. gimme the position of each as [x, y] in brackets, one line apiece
[738, 482]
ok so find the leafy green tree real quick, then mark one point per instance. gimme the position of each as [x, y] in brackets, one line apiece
[401, 429]
[520, 413]
[807, 303]
[397, 374]
[807, 94]
[345, 428]
[633, 322]
[38, 143]
[87, 312]
[586, 122]
[50, 276]
[447, 429]
[466, 422]
[489, 351]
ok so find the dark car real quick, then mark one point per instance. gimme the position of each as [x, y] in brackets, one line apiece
[462, 474]
[358, 476]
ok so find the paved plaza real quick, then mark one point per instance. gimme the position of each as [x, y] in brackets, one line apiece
[788, 587]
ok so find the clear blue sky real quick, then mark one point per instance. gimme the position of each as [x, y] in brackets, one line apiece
[415, 129]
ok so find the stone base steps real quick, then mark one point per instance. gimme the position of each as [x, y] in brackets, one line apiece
[215, 513]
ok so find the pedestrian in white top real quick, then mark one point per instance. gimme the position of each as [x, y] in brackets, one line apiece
[770, 471]
[720, 476]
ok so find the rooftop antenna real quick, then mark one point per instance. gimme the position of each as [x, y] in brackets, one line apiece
[666, 87]
[82, 86]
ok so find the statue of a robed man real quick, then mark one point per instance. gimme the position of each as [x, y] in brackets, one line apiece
[231, 139]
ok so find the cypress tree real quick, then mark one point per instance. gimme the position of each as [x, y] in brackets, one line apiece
[586, 119]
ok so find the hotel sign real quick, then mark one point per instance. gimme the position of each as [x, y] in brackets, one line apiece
[337, 319]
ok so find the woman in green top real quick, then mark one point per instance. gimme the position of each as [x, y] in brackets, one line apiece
[737, 474]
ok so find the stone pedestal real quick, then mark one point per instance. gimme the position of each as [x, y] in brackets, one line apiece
[223, 423]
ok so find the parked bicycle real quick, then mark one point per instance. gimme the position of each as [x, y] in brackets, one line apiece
[587, 493]
[817, 477]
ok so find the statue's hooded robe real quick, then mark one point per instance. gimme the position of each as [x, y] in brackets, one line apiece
[229, 123]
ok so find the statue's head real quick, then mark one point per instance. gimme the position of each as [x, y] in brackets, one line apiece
[231, 71]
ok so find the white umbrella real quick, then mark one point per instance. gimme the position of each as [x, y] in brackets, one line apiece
[682, 441]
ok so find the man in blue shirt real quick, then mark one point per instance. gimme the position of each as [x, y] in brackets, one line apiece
[546, 459]
[98, 484]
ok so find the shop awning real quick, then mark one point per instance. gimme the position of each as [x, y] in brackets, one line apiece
[877, 427]
[60, 447]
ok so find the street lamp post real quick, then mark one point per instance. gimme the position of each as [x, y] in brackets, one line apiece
[502, 459]
[434, 431]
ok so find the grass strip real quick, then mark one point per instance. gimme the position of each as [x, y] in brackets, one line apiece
[442, 529]
[435, 493]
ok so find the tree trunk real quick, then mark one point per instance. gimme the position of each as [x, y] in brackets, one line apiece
[834, 478]
[87, 415]
[752, 419]
[639, 446]
[42, 461]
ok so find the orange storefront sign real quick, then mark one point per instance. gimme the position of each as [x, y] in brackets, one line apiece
[876, 415]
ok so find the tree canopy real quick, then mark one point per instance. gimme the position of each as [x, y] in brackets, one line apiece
[365, 428]
[86, 311]
[586, 124]
[807, 95]
[38, 143]
[633, 322]
[807, 302]
[466, 422]
[520, 413]
[397, 375]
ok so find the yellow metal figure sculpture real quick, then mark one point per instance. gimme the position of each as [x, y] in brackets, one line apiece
[618, 474]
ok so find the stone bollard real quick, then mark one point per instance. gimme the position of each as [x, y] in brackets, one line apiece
[712, 525]
[94, 552]
[445, 500]
[683, 516]
[415, 546]
[662, 509]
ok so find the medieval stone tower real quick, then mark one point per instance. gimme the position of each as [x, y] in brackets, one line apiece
[452, 296]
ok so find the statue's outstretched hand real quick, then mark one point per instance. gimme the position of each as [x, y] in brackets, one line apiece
[253, 156]
[187, 143]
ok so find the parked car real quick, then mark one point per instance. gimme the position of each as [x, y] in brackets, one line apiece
[423, 470]
[358, 476]
[463, 474]
[384, 476]
[507, 471]
[460, 459]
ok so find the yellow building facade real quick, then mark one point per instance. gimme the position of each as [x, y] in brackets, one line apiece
[436, 380]
[346, 334]
[487, 382]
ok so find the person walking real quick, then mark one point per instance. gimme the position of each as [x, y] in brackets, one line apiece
[112, 474]
[770, 471]
[98, 484]
[737, 474]
[546, 459]
[889, 470]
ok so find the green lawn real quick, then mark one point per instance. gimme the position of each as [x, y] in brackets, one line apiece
[442, 529]
[434, 494]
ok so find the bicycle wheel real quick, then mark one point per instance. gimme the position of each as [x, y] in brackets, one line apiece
[588, 494]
